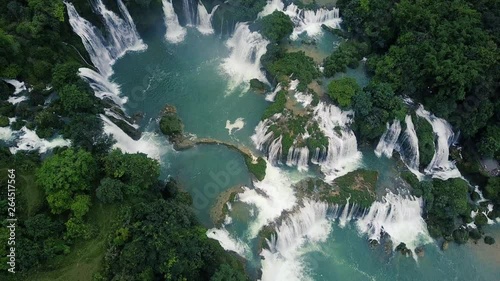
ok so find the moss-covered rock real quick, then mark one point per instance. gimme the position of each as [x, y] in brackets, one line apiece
[489, 240]
[258, 86]
[358, 185]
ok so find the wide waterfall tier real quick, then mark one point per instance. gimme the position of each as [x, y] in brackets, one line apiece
[243, 64]
[308, 226]
[175, 32]
[406, 144]
[308, 21]
[121, 33]
[440, 165]
[342, 154]
[204, 19]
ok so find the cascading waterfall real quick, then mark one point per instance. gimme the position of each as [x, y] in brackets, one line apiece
[304, 20]
[271, 96]
[342, 154]
[243, 64]
[398, 216]
[270, 197]
[388, 140]
[298, 156]
[175, 32]
[408, 147]
[262, 136]
[18, 85]
[204, 22]
[228, 242]
[189, 12]
[440, 165]
[275, 150]
[102, 87]
[310, 22]
[27, 139]
[282, 261]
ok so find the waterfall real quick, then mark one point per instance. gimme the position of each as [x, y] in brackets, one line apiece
[298, 156]
[122, 33]
[270, 197]
[400, 217]
[271, 96]
[228, 242]
[342, 154]
[282, 261]
[408, 147]
[152, 144]
[388, 140]
[440, 165]
[204, 22]
[18, 85]
[262, 136]
[311, 21]
[189, 13]
[275, 150]
[271, 6]
[102, 87]
[175, 32]
[27, 139]
[304, 99]
[243, 64]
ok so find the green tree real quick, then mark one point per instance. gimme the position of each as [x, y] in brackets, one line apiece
[276, 26]
[343, 90]
[74, 100]
[110, 190]
[490, 142]
[137, 171]
[66, 175]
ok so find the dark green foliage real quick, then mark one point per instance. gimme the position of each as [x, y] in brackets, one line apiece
[426, 146]
[343, 90]
[461, 235]
[277, 106]
[137, 171]
[65, 74]
[46, 123]
[4, 121]
[75, 100]
[170, 125]
[257, 85]
[65, 177]
[347, 54]
[449, 202]
[297, 63]
[228, 273]
[489, 145]
[276, 26]
[257, 169]
[110, 190]
[489, 240]
[162, 238]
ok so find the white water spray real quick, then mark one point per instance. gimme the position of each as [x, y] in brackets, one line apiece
[175, 32]
[204, 22]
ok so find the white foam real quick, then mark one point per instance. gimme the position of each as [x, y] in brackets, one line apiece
[28, 140]
[175, 32]
[228, 242]
[204, 25]
[237, 125]
[18, 85]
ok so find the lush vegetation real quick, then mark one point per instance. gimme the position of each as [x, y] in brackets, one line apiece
[257, 169]
[297, 64]
[343, 90]
[441, 53]
[348, 54]
[426, 146]
[277, 106]
[276, 26]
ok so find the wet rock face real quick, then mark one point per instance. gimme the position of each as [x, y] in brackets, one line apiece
[445, 245]
[420, 251]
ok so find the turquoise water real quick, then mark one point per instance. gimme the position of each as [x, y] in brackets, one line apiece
[188, 76]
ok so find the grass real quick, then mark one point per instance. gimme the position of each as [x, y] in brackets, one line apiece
[257, 169]
[86, 257]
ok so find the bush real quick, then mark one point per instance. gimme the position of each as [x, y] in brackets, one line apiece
[343, 90]
[301, 66]
[257, 169]
[348, 54]
[489, 240]
[276, 26]
[4, 121]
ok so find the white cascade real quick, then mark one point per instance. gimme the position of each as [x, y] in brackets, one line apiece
[27, 139]
[243, 63]
[398, 216]
[204, 22]
[228, 242]
[282, 261]
[150, 143]
[262, 135]
[270, 197]
[388, 140]
[298, 156]
[175, 32]
[310, 22]
[103, 88]
[275, 150]
[272, 96]
[122, 33]
[342, 154]
[440, 166]
[408, 147]
[18, 85]
[271, 6]
[187, 7]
